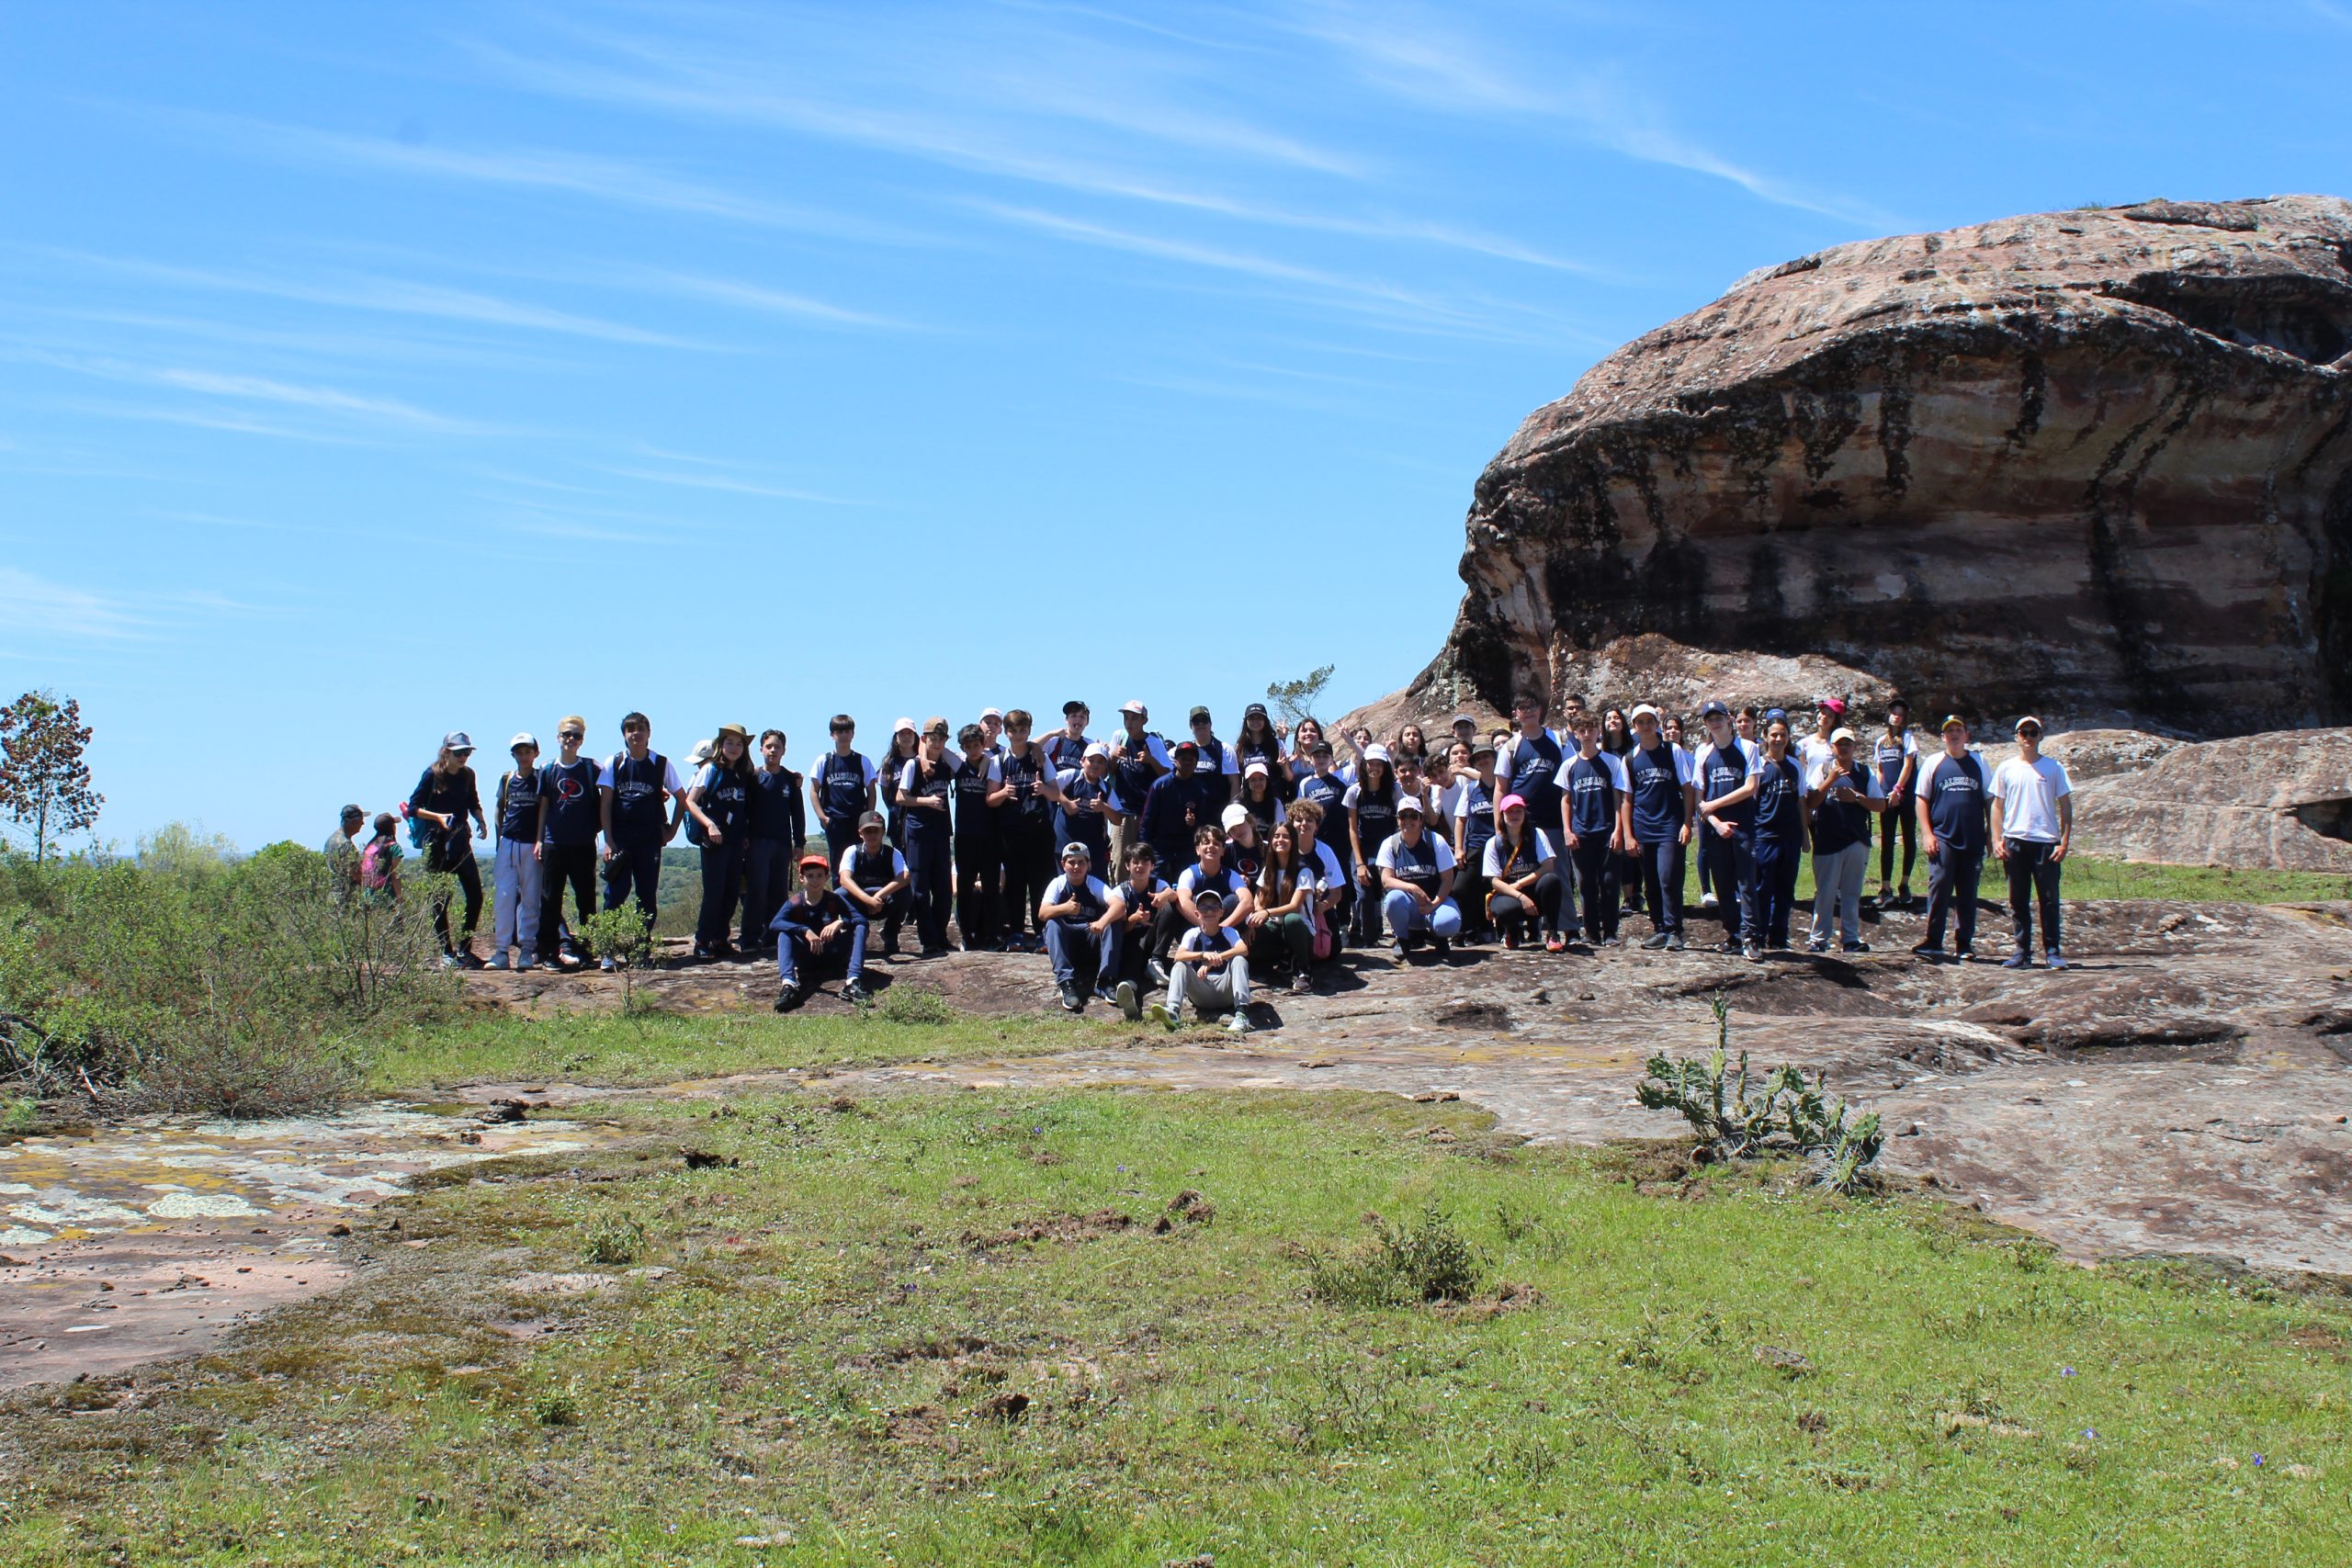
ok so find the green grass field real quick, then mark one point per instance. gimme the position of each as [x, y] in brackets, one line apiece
[954, 1330]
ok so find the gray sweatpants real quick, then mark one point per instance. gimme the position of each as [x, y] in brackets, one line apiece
[1837, 889]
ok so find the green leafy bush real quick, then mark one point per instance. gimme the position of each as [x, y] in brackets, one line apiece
[1425, 1260]
[186, 979]
[624, 936]
[1736, 1115]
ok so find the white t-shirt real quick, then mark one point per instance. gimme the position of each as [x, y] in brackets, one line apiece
[841, 870]
[818, 769]
[1813, 751]
[1058, 890]
[2028, 793]
[1331, 874]
[1872, 789]
[670, 784]
[1609, 763]
[1493, 863]
[1393, 850]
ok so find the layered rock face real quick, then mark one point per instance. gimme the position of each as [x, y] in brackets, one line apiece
[2270, 800]
[2093, 464]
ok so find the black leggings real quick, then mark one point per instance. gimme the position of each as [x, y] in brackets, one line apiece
[722, 884]
[1596, 884]
[456, 856]
[1510, 915]
[562, 863]
[979, 880]
[1905, 819]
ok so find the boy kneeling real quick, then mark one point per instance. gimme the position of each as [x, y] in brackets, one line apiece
[817, 931]
[1209, 969]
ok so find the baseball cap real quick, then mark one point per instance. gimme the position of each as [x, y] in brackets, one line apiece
[2026, 720]
[353, 810]
[1074, 705]
[814, 863]
[1320, 749]
[458, 740]
[1776, 716]
[991, 713]
[1711, 707]
[1411, 803]
[1257, 766]
[935, 725]
[1951, 719]
[1835, 705]
[1076, 850]
[1469, 719]
[1255, 710]
[698, 754]
[1840, 733]
[871, 819]
[899, 723]
[1481, 749]
[524, 738]
[1641, 708]
[1096, 749]
[1198, 714]
[1507, 802]
[1187, 744]
[1134, 706]
[1376, 753]
[1208, 899]
[1235, 814]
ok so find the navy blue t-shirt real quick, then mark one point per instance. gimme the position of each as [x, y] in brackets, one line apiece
[575, 811]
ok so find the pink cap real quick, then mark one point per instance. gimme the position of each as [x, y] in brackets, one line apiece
[1507, 802]
[1835, 705]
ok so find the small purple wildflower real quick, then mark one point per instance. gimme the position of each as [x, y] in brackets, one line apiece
[2089, 1433]
[2065, 1372]
[2257, 1458]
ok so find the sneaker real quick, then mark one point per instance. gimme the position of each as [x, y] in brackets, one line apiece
[1655, 942]
[723, 953]
[1129, 1003]
[1161, 1014]
[1072, 1000]
[1706, 901]
[605, 964]
[1750, 951]
[1821, 947]
[789, 998]
[466, 960]
[1903, 895]
[1403, 952]
[2018, 961]
[524, 968]
[1930, 950]
[1856, 947]
[2054, 959]
[1300, 985]
[855, 992]
[1104, 995]
[1675, 943]
[497, 963]
[1159, 972]
[1556, 943]
[1964, 956]
[449, 960]
[1236, 1025]
[1442, 946]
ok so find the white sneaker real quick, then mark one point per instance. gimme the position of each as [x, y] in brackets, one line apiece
[605, 964]
[497, 963]
[1158, 1013]
[1707, 901]
[1236, 1025]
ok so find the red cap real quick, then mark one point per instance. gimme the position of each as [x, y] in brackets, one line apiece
[817, 861]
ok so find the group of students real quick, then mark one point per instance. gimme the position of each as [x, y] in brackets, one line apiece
[1135, 863]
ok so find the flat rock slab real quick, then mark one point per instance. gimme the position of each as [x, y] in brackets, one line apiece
[2182, 1088]
[157, 1237]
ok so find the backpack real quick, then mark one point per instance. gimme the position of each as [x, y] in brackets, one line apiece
[375, 866]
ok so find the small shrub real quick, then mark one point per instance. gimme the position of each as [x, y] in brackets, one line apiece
[611, 1241]
[555, 1407]
[911, 1005]
[1424, 1260]
[624, 936]
[1737, 1116]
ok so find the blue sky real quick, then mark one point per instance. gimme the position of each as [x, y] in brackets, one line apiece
[367, 372]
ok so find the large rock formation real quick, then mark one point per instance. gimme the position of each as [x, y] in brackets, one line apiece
[2282, 800]
[2096, 464]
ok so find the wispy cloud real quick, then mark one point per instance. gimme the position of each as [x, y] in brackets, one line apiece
[390, 295]
[207, 419]
[729, 485]
[753, 297]
[35, 608]
[1415, 55]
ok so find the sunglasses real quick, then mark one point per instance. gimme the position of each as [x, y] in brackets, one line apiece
[572, 735]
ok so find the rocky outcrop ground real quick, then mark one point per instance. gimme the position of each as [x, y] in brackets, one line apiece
[2087, 463]
[2184, 1089]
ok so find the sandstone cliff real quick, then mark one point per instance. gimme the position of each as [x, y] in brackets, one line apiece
[2096, 464]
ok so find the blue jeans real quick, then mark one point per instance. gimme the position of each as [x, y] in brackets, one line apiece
[1662, 885]
[1775, 888]
[1727, 869]
[1406, 921]
[1079, 957]
[846, 952]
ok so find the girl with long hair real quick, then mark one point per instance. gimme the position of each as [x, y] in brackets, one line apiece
[718, 804]
[446, 794]
[1371, 818]
[1522, 877]
[1617, 739]
[905, 747]
[1282, 928]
